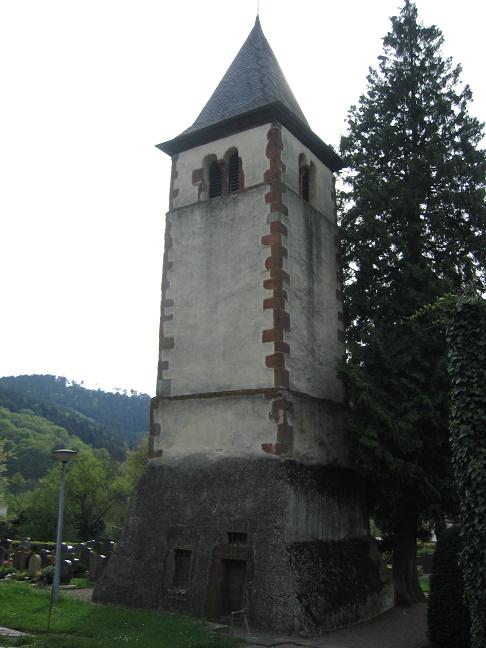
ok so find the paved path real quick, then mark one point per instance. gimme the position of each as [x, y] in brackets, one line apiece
[8, 632]
[397, 628]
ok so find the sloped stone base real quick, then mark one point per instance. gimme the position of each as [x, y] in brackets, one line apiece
[297, 536]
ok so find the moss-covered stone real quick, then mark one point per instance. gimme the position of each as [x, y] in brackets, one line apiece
[331, 481]
[336, 579]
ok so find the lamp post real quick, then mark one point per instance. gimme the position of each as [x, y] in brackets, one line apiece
[64, 456]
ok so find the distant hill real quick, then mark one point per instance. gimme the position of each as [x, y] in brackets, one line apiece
[100, 419]
[30, 440]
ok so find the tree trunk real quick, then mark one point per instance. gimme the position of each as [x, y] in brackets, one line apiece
[405, 576]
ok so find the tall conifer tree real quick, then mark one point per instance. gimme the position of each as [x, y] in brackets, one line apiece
[413, 227]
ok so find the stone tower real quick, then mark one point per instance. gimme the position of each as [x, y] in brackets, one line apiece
[247, 501]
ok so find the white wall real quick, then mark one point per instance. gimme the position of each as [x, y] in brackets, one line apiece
[251, 145]
[216, 282]
[217, 269]
[314, 346]
[216, 427]
[322, 194]
[237, 426]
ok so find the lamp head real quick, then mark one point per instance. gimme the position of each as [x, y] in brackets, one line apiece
[64, 454]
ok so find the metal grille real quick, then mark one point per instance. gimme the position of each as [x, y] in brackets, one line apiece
[215, 180]
[182, 559]
[234, 173]
[237, 538]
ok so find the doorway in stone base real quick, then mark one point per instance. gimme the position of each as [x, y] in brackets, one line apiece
[233, 585]
[230, 577]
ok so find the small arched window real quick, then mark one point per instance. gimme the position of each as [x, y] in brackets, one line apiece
[234, 173]
[304, 182]
[215, 179]
[222, 176]
[306, 179]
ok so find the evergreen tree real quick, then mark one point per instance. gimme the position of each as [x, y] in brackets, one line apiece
[3, 479]
[413, 228]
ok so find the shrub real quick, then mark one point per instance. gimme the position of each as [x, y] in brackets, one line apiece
[425, 549]
[7, 572]
[47, 574]
[79, 569]
[448, 618]
[19, 576]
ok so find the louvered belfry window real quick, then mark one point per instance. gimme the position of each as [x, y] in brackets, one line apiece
[215, 179]
[234, 173]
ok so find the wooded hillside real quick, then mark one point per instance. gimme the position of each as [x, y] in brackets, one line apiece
[39, 414]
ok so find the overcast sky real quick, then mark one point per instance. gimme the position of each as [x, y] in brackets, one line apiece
[88, 87]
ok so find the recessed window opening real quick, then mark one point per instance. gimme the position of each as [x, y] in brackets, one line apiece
[182, 558]
[305, 178]
[304, 183]
[234, 173]
[237, 538]
[215, 179]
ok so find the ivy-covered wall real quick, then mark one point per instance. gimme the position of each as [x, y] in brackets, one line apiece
[467, 368]
[337, 580]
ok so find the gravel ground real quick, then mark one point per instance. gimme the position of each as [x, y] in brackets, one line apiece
[397, 628]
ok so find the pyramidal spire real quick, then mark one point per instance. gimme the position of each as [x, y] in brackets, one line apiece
[253, 91]
[253, 80]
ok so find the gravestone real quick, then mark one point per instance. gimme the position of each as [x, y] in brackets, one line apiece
[20, 559]
[34, 564]
[66, 571]
[45, 556]
[97, 565]
[84, 553]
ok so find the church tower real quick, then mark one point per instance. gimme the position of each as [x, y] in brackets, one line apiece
[248, 501]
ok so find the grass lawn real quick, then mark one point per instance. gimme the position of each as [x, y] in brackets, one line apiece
[81, 582]
[76, 624]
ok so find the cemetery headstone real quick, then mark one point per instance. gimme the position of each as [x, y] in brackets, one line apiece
[34, 564]
[66, 571]
[92, 565]
[45, 556]
[20, 559]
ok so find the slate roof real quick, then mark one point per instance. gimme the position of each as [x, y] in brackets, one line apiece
[253, 80]
[253, 91]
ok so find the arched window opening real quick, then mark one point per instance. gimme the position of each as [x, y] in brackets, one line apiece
[215, 179]
[304, 178]
[234, 173]
[304, 183]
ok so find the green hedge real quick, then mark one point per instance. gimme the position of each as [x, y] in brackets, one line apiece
[447, 616]
[467, 368]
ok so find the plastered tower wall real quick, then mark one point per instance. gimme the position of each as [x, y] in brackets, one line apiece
[251, 310]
